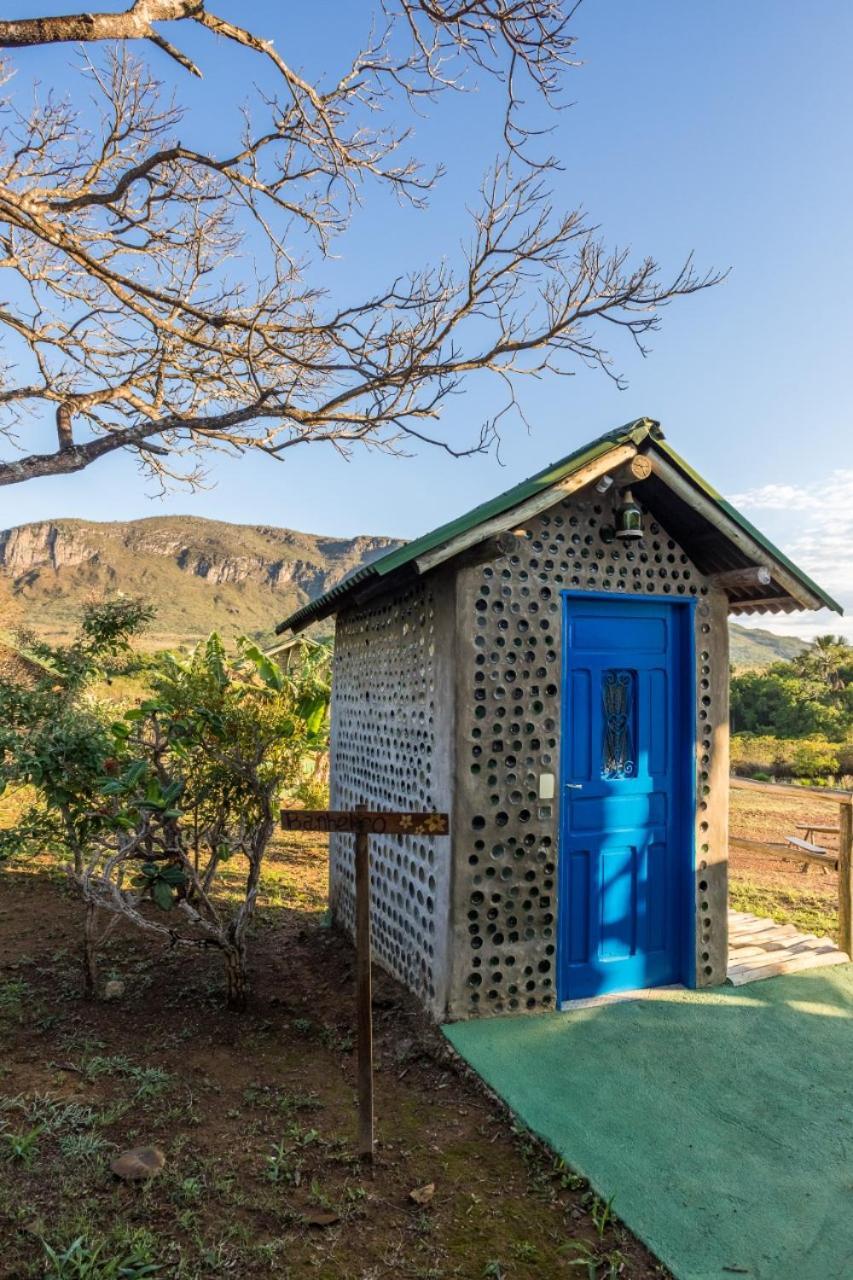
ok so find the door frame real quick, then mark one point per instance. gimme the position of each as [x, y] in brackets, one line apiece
[684, 608]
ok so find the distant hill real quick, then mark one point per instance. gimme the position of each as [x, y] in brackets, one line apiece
[206, 574]
[756, 648]
[201, 574]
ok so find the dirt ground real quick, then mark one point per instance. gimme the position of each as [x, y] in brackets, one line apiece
[255, 1116]
[771, 886]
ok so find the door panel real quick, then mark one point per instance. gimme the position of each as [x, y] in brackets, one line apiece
[626, 758]
[613, 813]
[618, 902]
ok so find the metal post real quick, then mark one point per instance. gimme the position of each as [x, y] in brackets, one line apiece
[363, 994]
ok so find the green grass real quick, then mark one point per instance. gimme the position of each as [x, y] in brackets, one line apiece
[808, 911]
[148, 1081]
[12, 995]
[83, 1260]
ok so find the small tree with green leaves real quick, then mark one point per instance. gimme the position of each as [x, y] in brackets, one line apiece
[55, 736]
[149, 807]
[203, 764]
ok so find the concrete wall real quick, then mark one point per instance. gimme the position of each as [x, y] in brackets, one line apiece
[508, 692]
[392, 747]
[448, 697]
[712, 789]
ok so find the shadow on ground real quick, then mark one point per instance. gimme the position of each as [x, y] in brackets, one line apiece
[255, 1113]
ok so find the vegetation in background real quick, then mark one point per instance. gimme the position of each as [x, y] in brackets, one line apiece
[148, 807]
[796, 718]
[816, 759]
[811, 694]
[55, 736]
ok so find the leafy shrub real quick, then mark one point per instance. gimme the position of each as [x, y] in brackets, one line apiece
[818, 760]
[764, 757]
[194, 781]
[149, 806]
[55, 739]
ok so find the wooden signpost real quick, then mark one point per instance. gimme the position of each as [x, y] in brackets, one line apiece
[363, 823]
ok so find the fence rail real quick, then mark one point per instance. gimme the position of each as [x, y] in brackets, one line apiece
[793, 789]
[844, 800]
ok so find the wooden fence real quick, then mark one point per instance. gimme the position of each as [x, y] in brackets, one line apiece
[844, 801]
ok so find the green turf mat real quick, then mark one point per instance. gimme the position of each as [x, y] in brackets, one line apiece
[720, 1122]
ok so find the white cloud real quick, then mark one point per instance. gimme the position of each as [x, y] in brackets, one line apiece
[835, 494]
[775, 497]
[813, 524]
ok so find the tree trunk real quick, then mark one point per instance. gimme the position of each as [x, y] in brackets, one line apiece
[236, 977]
[72, 841]
[90, 951]
[235, 950]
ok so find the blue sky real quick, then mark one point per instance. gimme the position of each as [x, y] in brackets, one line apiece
[726, 129]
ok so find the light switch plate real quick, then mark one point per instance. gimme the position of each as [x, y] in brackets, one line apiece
[547, 784]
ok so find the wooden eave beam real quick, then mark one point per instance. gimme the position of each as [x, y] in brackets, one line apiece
[375, 587]
[733, 580]
[540, 502]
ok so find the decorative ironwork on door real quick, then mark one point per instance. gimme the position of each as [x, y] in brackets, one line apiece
[617, 749]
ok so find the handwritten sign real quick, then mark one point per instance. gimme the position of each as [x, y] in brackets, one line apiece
[365, 822]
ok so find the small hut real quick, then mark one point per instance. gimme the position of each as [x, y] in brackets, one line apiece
[552, 670]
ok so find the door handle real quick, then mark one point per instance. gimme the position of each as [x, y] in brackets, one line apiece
[573, 786]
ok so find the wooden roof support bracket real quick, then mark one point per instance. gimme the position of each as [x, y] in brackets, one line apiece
[731, 531]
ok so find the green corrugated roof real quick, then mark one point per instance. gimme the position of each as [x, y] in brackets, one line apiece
[633, 433]
[638, 432]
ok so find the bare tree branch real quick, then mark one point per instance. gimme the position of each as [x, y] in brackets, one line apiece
[164, 298]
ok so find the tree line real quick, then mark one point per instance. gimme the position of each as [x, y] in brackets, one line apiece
[810, 695]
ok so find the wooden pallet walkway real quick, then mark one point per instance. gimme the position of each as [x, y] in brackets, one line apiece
[761, 948]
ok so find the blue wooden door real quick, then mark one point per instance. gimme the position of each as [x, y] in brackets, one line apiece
[626, 759]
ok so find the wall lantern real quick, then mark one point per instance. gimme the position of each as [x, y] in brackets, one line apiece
[628, 518]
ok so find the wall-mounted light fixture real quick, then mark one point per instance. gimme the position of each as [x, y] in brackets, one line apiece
[628, 518]
[605, 483]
